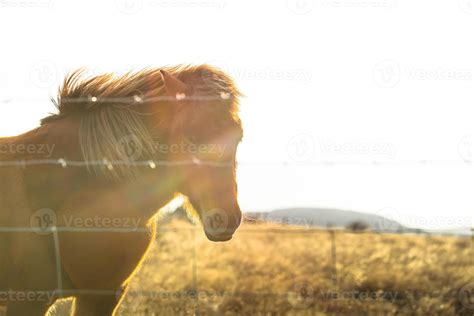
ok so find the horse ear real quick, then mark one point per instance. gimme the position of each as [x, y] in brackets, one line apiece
[174, 87]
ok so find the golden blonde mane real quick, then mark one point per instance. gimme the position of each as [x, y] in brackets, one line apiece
[107, 106]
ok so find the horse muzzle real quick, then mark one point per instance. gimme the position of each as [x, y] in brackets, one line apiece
[220, 227]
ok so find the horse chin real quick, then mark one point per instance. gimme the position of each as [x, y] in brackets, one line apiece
[218, 238]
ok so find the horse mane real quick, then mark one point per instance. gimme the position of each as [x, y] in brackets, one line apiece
[107, 107]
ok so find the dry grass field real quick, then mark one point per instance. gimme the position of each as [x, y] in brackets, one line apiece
[270, 269]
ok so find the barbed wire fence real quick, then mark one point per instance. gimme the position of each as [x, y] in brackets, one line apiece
[47, 224]
[300, 297]
[301, 147]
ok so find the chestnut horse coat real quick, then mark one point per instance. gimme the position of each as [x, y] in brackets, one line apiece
[43, 250]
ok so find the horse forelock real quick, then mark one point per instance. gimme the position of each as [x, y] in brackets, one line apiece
[108, 109]
[81, 95]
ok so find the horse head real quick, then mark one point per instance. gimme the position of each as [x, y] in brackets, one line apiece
[204, 134]
[184, 117]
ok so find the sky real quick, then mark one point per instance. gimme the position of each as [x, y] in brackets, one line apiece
[360, 105]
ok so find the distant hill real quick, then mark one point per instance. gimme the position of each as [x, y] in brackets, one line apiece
[330, 217]
[462, 231]
[325, 217]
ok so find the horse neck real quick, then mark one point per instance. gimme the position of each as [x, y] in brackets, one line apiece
[150, 191]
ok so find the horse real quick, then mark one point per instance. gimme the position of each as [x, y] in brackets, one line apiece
[121, 147]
